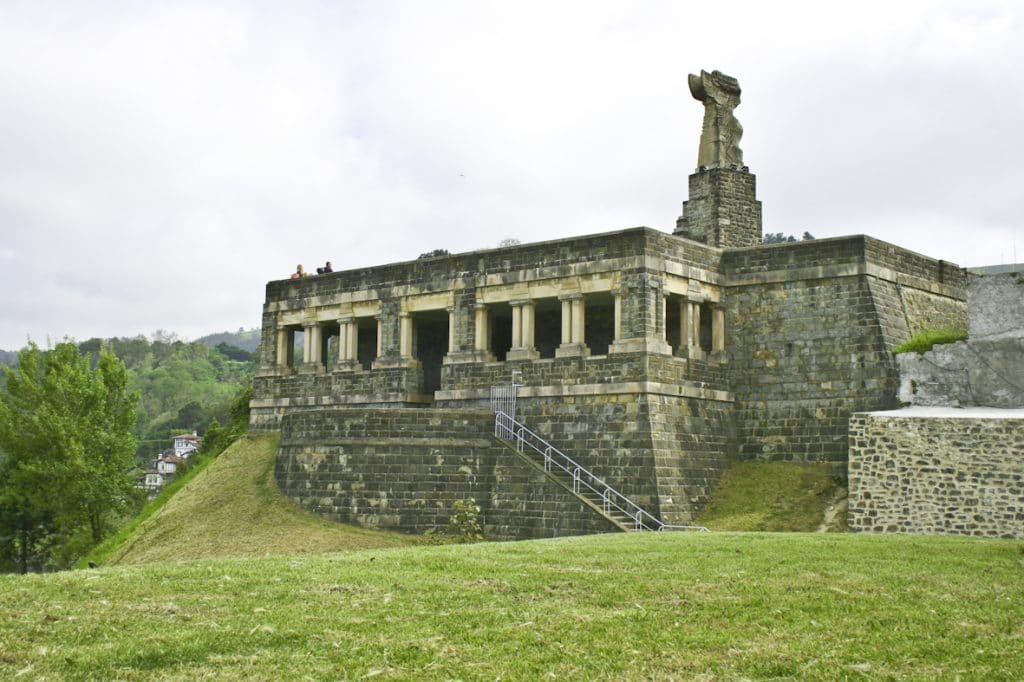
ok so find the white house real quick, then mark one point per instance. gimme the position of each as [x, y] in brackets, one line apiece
[186, 443]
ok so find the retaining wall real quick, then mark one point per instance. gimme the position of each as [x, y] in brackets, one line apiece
[921, 470]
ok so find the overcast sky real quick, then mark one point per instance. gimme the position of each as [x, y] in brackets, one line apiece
[160, 163]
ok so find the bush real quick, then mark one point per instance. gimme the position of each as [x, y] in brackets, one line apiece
[923, 341]
[463, 525]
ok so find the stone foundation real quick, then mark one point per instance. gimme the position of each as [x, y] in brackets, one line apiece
[403, 469]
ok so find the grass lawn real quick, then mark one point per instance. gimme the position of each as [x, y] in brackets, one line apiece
[622, 606]
[233, 509]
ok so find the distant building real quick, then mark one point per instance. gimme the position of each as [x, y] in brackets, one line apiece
[163, 469]
[186, 444]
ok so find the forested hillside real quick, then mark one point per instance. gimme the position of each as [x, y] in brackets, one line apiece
[246, 339]
[182, 386]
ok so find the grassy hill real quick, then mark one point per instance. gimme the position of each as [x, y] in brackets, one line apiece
[232, 509]
[623, 606]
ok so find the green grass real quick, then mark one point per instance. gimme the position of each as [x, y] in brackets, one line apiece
[923, 341]
[231, 508]
[619, 606]
[773, 496]
[103, 551]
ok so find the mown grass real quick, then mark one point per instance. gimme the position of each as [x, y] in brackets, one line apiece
[923, 341]
[622, 606]
[773, 496]
[232, 508]
[102, 552]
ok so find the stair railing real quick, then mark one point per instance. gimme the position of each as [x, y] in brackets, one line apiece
[508, 429]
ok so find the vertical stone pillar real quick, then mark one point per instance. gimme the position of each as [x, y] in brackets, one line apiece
[380, 337]
[285, 338]
[312, 347]
[517, 325]
[566, 321]
[481, 334]
[684, 325]
[572, 328]
[348, 339]
[480, 324]
[618, 316]
[693, 346]
[451, 329]
[718, 329]
[522, 332]
[663, 319]
[405, 335]
[641, 310]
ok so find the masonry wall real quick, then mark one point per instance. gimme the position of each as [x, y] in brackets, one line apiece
[810, 329]
[403, 469]
[937, 475]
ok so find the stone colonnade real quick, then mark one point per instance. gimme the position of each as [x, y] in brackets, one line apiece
[396, 330]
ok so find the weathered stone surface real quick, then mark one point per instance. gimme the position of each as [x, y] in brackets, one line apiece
[914, 473]
[985, 370]
[403, 469]
[721, 132]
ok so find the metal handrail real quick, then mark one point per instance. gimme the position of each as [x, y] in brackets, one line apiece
[508, 429]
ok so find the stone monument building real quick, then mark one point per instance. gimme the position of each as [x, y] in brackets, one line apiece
[650, 358]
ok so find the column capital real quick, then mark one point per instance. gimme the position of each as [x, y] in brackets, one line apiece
[574, 296]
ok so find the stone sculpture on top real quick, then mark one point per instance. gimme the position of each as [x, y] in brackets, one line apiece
[721, 132]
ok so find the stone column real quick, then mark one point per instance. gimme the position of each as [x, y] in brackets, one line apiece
[663, 320]
[451, 329]
[641, 311]
[693, 347]
[684, 326]
[405, 335]
[572, 327]
[285, 338]
[480, 327]
[380, 336]
[522, 332]
[312, 347]
[618, 316]
[348, 333]
[718, 329]
[517, 326]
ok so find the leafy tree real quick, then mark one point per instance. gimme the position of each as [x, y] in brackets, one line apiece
[66, 435]
[434, 254]
[779, 238]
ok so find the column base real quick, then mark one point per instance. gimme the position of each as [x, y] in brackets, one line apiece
[462, 357]
[523, 354]
[311, 368]
[572, 350]
[397, 362]
[642, 345]
[275, 371]
[347, 366]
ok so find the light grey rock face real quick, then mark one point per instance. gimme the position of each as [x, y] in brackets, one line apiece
[987, 369]
[721, 132]
[996, 308]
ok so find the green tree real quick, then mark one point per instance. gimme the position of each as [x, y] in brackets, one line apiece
[66, 434]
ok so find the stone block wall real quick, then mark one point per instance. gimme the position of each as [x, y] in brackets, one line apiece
[810, 328]
[403, 469]
[722, 209]
[927, 474]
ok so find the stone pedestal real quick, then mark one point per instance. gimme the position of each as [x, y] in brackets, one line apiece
[722, 210]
